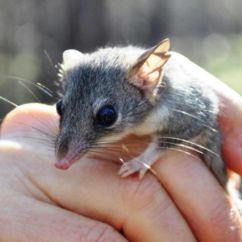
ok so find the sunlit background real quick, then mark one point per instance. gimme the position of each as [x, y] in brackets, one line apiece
[34, 33]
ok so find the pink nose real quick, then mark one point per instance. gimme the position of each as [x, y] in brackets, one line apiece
[62, 164]
[70, 158]
[67, 154]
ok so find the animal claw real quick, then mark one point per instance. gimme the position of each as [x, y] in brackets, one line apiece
[132, 166]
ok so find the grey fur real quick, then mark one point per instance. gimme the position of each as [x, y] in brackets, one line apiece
[190, 106]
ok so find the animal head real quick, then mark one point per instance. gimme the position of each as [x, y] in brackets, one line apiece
[106, 93]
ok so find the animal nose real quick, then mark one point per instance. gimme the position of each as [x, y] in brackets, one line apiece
[62, 148]
[68, 153]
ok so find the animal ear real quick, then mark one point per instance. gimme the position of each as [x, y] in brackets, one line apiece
[71, 58]
[146, 73]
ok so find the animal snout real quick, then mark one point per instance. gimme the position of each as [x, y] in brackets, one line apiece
[62, 147]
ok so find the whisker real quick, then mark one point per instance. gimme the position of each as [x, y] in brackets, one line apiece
[29, 90]
[182, 151]
[106, 149]
[43, 124]
[38, 85]
[192, 116]
[54, 122]
[192, 143]
[189, 103]
[43, 88]
[117, 149]
[37, 129]
[50, 62]
[40, 140]
[127, 142]
[188, 144]
[9, 102]
[183, 146]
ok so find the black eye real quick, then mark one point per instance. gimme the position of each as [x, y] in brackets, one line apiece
[59, 107]
[106, 116]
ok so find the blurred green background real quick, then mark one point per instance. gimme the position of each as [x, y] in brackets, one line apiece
[33, 35]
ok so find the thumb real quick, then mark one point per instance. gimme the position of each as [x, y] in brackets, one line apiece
[26, 117]
[32, 125]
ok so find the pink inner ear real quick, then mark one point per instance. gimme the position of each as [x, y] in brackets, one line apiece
[155, 61]
[146, 74]
[145, 81]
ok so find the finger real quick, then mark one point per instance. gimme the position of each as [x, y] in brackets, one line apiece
[231, 126]
[141, 209]
[26, 219]
[32, 125]
[27, 214]
[230, 119]
[25, 117]
[104, 196]
[199, 197]
[168, 173]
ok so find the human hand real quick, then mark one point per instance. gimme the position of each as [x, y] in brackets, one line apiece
[90, 202]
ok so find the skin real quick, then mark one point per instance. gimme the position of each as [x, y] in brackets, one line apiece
[182, 201]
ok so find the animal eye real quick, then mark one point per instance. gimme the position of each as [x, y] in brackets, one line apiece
[59, 107]
[106, 116]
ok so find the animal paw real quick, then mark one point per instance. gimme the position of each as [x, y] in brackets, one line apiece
[130, 167]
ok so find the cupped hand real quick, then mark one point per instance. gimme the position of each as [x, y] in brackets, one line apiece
[90, 202]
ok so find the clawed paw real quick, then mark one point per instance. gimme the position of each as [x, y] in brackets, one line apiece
[130, 167]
